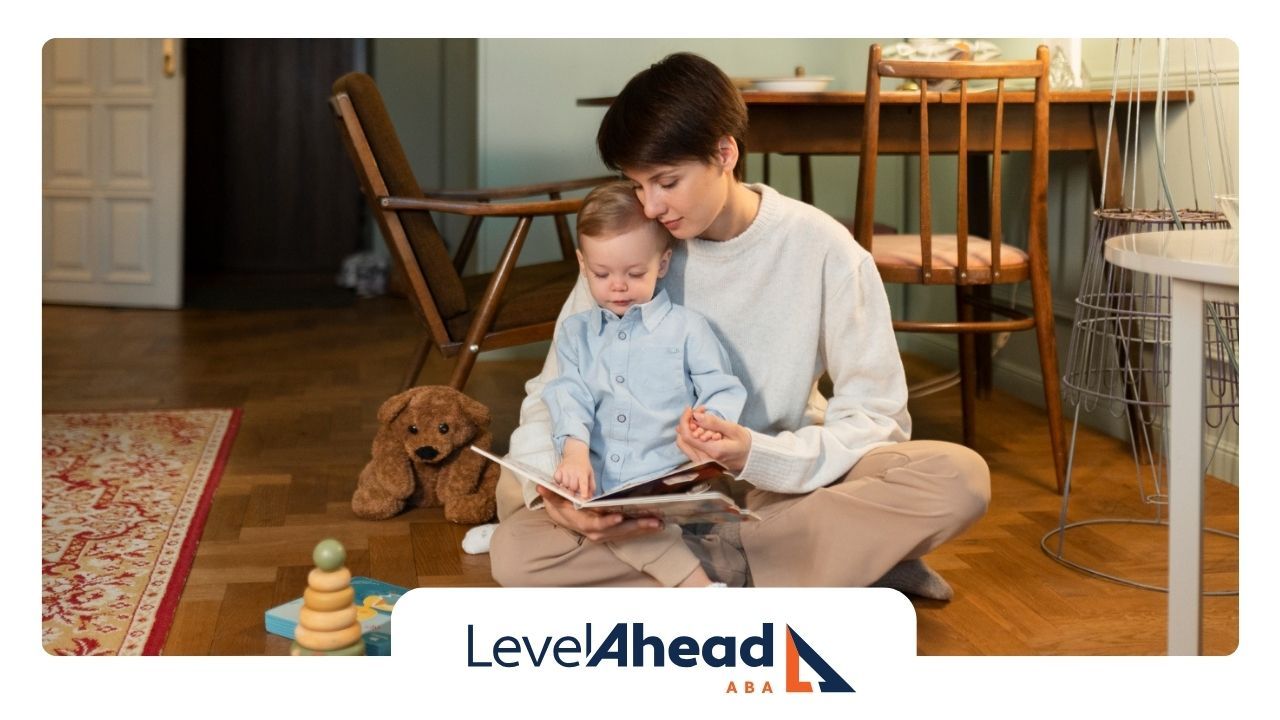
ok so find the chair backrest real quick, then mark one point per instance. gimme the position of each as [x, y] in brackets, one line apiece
[383, 169]
[962, 71]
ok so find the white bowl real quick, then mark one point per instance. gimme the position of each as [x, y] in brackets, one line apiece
[1230, 206]
[804, 83]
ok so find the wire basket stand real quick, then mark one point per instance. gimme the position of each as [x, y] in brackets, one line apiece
[1118, 357]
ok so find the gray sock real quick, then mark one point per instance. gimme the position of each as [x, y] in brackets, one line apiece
[913, 577]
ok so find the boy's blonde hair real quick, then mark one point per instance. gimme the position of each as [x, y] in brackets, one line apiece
[612, 209]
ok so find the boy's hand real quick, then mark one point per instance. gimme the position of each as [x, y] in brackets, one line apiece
[702, 433]
[703, 436]
[575, 473]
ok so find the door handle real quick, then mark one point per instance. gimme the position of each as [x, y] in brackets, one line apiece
[170, 49]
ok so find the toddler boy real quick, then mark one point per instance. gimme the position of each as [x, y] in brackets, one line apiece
[630, 366]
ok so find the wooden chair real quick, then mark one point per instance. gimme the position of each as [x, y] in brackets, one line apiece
[964, 260]
[463, 315]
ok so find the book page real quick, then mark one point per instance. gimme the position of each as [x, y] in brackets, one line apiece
[532, 474]
[688, 474]
[681, 509]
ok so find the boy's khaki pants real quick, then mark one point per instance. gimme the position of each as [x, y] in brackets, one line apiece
[899, 502]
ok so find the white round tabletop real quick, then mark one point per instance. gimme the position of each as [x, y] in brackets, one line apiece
[1206, 256]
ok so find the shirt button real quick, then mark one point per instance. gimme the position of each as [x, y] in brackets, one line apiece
[622, 418]
[620, 379]
[622, 336]
[614, 457]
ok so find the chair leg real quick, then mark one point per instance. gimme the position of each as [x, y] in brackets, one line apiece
[415, 365]
[462, 368]
[968, 370]
[1042, 302]
[566, 238]
[488, 309]
[468, 242]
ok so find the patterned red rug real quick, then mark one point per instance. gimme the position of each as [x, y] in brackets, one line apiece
[125, 500]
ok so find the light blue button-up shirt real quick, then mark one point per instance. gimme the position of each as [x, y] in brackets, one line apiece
[624, 382]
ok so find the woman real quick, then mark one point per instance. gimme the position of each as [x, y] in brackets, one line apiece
[843, 494]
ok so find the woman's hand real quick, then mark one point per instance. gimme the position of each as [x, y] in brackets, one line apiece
[704, 436]
[596, 527]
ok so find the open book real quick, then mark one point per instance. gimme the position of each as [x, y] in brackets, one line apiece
[681, 496]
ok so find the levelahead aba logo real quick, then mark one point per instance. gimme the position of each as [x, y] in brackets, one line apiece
[635, 650]
[629, 645]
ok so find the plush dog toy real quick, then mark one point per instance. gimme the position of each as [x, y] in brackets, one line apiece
[421, 458]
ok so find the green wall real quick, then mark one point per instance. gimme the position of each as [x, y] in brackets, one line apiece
[530, 127]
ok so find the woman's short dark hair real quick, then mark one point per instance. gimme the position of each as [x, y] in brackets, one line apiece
[676, 110]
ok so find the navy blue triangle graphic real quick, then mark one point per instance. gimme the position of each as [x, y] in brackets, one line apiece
[831, 680]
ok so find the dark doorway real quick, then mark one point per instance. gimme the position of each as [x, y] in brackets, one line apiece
[272, 205]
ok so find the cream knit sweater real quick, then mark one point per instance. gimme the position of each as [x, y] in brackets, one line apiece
[790, 297]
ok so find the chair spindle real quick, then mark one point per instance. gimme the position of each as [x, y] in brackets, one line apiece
[926, 197]
[996, 149]
[962, 189]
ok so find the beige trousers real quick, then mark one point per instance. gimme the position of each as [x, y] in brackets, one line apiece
[899, 502]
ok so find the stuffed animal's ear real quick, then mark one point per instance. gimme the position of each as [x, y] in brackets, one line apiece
[475, 410]
[395, 405]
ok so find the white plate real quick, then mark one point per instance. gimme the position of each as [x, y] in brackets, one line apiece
[805, 83]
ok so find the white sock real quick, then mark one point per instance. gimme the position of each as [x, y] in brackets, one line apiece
[476, 541]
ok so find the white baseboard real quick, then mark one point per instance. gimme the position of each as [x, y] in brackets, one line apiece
[517, 352]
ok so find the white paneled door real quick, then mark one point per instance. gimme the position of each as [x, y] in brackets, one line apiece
[112, 185]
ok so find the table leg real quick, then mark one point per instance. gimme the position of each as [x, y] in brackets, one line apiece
[979, 178]
[806, 178]
[1113, 172]
[1186, 480]
[1114, 175]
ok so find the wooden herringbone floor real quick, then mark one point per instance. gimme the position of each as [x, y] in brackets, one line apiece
[310, 383]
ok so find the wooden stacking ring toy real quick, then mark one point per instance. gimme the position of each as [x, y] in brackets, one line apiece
[328, 601]
[329, 580]
[315, 640]
[327, 621]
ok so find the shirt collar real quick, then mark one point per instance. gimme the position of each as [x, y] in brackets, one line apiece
[651, 313]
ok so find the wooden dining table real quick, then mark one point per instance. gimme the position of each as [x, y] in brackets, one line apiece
[830, 123]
